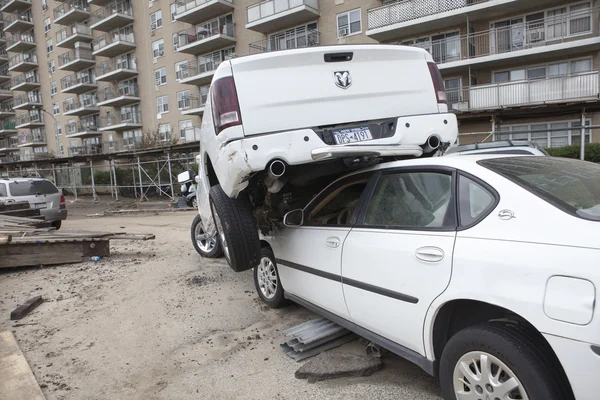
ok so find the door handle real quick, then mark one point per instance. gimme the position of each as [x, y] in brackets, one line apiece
[430, 254]
[333, 242]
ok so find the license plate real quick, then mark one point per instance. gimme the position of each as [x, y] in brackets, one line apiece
[39, 205]
[352, 135]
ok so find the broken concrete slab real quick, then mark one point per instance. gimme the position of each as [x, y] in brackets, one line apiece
[338, 365]
[17, 381]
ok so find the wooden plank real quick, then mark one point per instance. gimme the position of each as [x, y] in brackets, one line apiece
[26, 308]
[35, 254]
[4, 239]
[17, 381]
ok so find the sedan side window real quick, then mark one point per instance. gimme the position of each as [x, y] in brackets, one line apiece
[337, 207]
[3, 190]
[412, 200]
[475, 201]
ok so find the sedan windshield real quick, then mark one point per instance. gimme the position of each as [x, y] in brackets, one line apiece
[571, 185]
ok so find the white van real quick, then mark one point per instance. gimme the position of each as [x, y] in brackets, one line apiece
[276, 124]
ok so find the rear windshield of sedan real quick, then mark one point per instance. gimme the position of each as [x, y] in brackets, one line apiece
[31, 188]
[571, 185]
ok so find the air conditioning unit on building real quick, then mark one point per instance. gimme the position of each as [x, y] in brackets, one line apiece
[343, 32]
[461, 106]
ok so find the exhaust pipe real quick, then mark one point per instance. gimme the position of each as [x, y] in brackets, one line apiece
[273, 180]
[432, 144]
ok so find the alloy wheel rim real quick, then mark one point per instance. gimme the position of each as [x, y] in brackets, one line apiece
[205, 242]
[481, 376]
[220, 232]
[267, 278]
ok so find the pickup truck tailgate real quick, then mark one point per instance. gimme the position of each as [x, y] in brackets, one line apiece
[297, 89]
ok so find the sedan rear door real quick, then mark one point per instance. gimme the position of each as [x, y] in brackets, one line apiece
[398, 257]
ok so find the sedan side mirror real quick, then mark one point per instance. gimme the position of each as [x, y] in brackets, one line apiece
[294, 218]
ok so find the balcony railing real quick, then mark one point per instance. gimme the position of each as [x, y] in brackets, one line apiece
[191, 134]
[407, 10]
[556, 89]
[10, 18]
[217, 26]
[73, 55]
[6, 88]
[25, 78]
[123, 118]
[41, 155]
[86, 150]
[27, 98]
[9, 143]
[114, 64]
[512, 38]
[182, 6]
[20, 37]
[82, 126]
[33, 137]
[77, 79]
[3, 52]
[283, 42]
[72, 30]
[117, 7]
[113, 92]
[191, 102]
[8, 124]
[4, 70]
[30, 57]
[268, 8]
[208, 63]
[70, 5]
[13, 157]
[84, 102]
[110, 38]
[7, 106]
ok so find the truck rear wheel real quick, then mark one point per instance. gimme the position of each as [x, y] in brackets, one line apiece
[236, 229]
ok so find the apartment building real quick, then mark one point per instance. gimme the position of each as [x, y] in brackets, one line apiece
[88, 77]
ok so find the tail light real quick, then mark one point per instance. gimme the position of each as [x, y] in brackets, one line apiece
[62, 202]
[225, 104]
[438, 83]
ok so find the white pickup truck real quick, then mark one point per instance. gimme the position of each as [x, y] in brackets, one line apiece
[278, 126]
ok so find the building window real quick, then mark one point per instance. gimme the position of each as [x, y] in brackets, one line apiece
[164, 132]
[156, 20]
[51, 66]
[47, 25]
[173, 11]
[53, 89]
[182, 70]
[175, 41]
[185, 128]
[580, 19]
[162, 104]
[55, 108]
[58, 129]
[44, 5]
[349, 23]
[160, 76]
[49, 46]
[184, 101]
[111, 141]
[62, 149]
[158, 48]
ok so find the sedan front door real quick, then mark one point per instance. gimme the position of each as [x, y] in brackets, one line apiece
[398, 257]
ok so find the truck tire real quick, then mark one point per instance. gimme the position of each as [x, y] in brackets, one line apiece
[510, 354]
[236, 228]
[206, 246]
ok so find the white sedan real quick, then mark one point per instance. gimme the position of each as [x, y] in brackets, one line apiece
[481, 270]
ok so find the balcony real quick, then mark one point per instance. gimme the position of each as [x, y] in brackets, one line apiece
[20, 42]
[10, 158]
[200, 72]
[99, 2]
[28, 101]
[113, 44]
[583, 87]
[83, 129]
[71, 11]
[76, 60]
[196, 11]
[70, 35]
[115, 15]
[118, 96]
[116, 69]
[33, 139]
[4, 73]
[207, 37]
[25, 82]
[121, 122]
[14, 23]
[412, 17]
[529, 42]
[3, 54]
[273, 15]
[23, 62]
[86, 150]
[5, 91]
[9, 144]
[7, 127]
[80, 82]
[15, 5]
[191, 134]
[192, 105]
[86, 105]
[284, 42]
[6, 110]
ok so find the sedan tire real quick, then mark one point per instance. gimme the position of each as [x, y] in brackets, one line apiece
[206, 245]
[267, 282]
